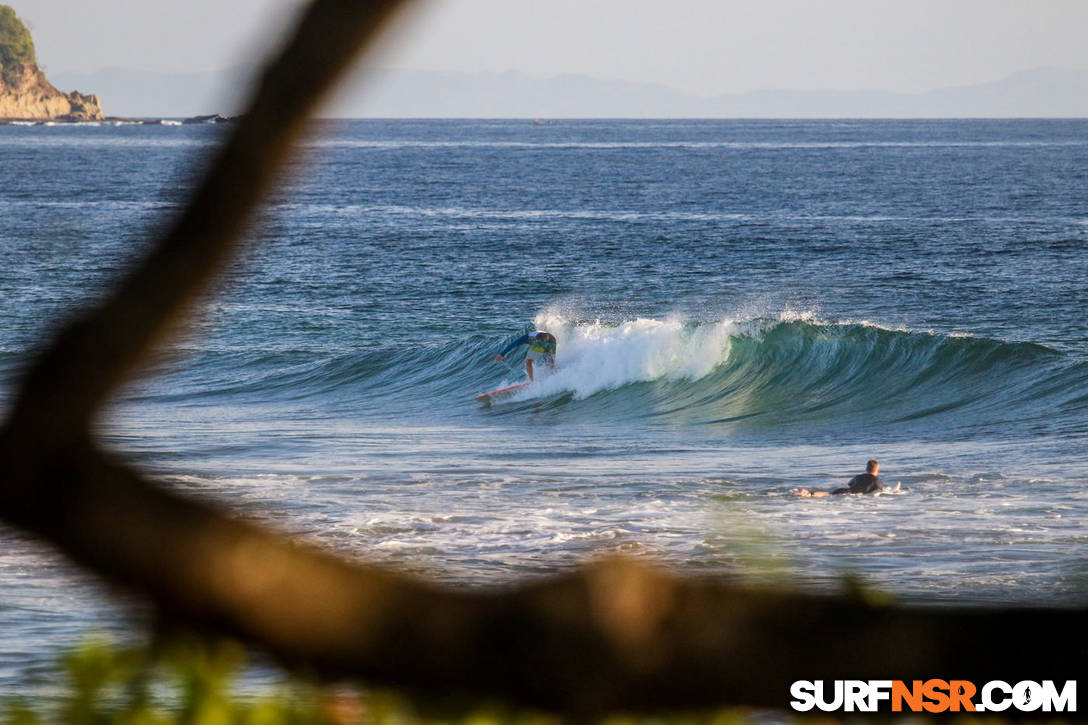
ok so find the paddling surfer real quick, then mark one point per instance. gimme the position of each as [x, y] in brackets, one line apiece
[541, 348]
[868, 482]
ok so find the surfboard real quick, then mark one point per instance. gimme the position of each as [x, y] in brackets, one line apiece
[494, 394]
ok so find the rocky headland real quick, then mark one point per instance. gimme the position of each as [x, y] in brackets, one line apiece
[25, 94]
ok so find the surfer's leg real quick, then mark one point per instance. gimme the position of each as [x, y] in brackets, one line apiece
[529, 368]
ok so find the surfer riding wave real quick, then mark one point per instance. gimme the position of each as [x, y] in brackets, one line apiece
[541, 348]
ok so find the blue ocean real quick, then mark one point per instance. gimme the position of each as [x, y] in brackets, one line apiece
[741, 308]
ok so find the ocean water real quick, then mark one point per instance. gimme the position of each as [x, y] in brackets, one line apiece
[742, 308]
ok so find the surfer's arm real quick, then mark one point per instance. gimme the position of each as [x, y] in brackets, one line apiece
[524, 339]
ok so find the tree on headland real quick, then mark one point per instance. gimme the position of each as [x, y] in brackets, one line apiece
[16, 45]
[25, 92]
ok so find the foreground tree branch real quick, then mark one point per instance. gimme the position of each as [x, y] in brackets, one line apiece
[612, 635]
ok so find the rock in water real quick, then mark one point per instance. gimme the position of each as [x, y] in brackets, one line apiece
[25, 94]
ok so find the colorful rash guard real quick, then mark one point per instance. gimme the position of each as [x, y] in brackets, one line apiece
[541, 345]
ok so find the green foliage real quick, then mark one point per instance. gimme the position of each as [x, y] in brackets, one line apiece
[192, 683]
[189, 683]
[16, 45]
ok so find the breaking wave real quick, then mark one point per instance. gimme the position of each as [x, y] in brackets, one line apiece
[785, 372]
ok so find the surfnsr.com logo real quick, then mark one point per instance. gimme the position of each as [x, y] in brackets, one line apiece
[933, 696]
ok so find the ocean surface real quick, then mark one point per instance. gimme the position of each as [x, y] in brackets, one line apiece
[743, 308]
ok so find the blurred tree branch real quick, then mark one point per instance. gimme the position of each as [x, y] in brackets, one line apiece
[612, 635]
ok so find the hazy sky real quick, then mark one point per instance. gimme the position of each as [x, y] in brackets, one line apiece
[705, 46]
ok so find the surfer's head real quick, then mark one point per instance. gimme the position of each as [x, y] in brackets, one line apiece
[872, 466]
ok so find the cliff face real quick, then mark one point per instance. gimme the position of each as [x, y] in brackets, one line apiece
[32, 97]
[24, 91]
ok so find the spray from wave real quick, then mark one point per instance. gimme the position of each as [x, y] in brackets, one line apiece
[597, 356]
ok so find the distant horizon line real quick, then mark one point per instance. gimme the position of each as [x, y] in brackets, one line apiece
[244, 69]
[393, 93]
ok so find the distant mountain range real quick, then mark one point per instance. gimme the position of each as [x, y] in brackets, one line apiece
[1044, 92]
